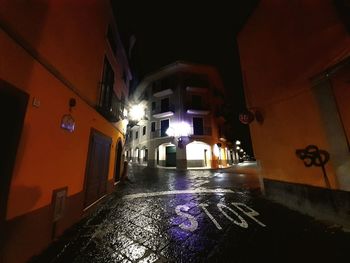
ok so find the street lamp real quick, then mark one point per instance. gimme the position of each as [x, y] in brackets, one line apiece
[136, 112]
[236, 150]
[180, 131]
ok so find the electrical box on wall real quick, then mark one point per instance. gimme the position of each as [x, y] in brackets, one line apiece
[59, 197]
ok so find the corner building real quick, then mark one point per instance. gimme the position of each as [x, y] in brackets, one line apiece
[183, 127]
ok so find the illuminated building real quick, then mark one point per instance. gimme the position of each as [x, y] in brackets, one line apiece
[182, 127]
[63, 79]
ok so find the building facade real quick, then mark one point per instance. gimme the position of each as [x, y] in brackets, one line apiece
[183, 127]
[63, 83]
[297, 78]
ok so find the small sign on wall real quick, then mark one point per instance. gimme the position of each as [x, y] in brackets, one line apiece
[68, 123]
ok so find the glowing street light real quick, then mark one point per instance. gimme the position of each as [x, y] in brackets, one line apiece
[137, 112]
[238, 142]
[179, 130]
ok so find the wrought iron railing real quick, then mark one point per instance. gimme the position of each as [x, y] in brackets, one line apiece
[160, 109]
[110, 106]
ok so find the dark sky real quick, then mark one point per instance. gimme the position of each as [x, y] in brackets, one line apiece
[194, 31]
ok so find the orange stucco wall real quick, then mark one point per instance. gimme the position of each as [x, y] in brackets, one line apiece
[71, 37]
[70, 34]
[282, 46]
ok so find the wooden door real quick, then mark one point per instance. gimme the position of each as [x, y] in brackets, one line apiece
[97, 167]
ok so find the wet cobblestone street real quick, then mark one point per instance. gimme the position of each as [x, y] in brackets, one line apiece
[195, 216]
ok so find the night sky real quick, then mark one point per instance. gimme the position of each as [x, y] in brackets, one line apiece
[194, 31]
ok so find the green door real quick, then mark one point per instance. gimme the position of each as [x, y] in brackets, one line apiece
[170, 159]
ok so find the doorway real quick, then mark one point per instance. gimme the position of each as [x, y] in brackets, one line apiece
[97, 167]
[13, 105]
[118, 159]
[170, 159]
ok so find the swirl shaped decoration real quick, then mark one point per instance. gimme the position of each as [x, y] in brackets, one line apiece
[313, 156]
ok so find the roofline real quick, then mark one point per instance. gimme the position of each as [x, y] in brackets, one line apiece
[175, 67]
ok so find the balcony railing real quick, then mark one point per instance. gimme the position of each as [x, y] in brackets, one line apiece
[160, 109]
[158, 133]
[162, 112]
[109, 105]
[198, 109]
[194, 106]
[207, 131]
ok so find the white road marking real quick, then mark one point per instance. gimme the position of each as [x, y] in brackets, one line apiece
[180, 192]
[200, 182]
[193, 222]
[203, 206]
[251, 213]
[243, 223]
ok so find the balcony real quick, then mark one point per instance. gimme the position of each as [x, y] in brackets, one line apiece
[110, 106]
[163, 112]
[158, 134]
[196, 89]
[197, 109]
[206, 131]
[162, 92]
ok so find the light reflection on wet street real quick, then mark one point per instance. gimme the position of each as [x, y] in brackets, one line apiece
[194, 216]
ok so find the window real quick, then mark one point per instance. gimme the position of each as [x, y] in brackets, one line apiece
[145, 95]
[196, 80]
[112, 39]
[164, 106]
[136, 135]
[121, 106]
[196, 101]
[144, 130]
[156, 86]
[164, 125]
[108, 104]
[153, 126]
[153, 105]
[198, 126]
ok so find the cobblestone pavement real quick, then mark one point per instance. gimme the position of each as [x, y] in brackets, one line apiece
[165, 215]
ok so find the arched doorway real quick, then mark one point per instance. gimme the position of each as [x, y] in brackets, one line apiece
[137, 155]
[118, 159]
[144, 155]
[166, 155]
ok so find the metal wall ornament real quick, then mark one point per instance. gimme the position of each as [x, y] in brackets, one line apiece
[313, 156]
[67, 121]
